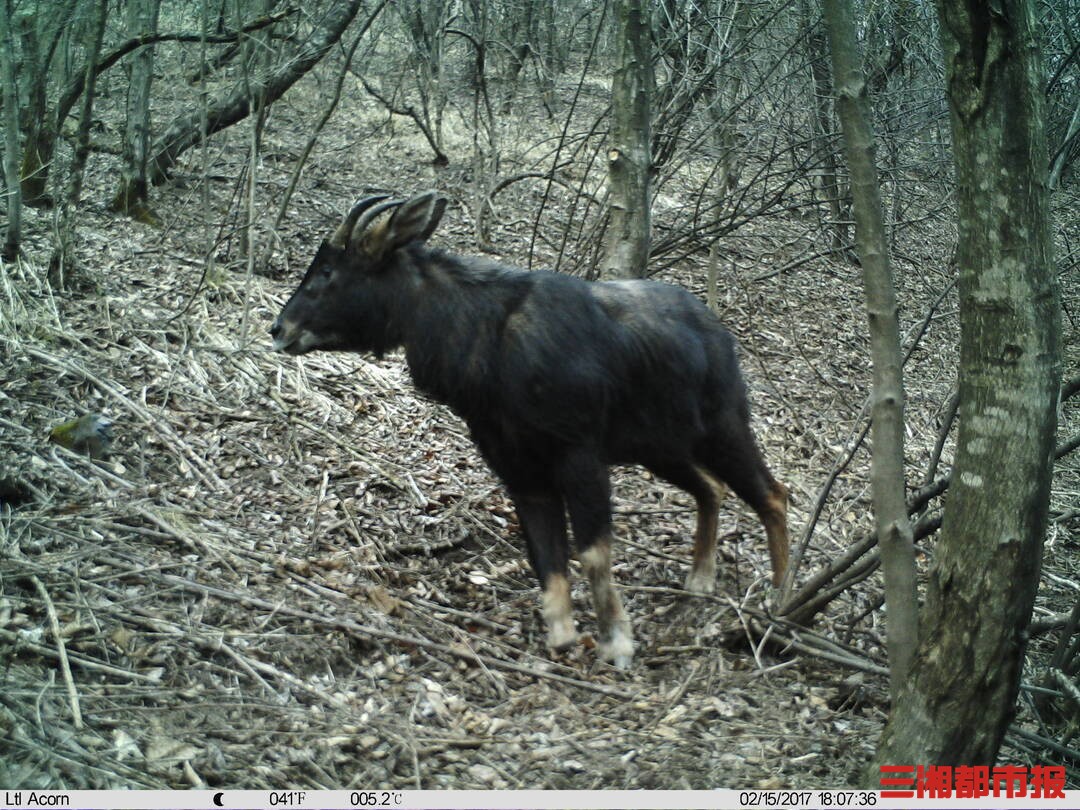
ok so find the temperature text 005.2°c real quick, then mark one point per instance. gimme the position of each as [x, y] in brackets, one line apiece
[375, 798]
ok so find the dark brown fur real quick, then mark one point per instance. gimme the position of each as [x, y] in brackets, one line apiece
[557, 379]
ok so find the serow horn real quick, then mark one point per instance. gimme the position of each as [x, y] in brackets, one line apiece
[340, 239]
[369, 217]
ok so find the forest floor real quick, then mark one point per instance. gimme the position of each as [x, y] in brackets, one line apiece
[299, 573]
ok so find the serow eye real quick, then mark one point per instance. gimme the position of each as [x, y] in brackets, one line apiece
[326, 270]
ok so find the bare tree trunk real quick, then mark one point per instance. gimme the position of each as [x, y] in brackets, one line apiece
[43, 126]
[61, 264]
[887, 462]
[256, 68]
[827, 176]
[40, 35]
[729, 95]
[132, 196]
[12, 186]
[188, 129]
[550, 56]
[1061, 158]
[961, 690]
[523, 38]
[335, 99]
[426, 23]
[629, 162]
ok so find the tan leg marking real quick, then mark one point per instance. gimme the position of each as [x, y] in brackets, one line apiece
[702, 576]
[774, 518]
[558, 615]
[616, 636]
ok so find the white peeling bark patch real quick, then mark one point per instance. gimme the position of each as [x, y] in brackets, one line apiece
[971, 479]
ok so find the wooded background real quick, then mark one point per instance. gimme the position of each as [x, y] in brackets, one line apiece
[301, 574]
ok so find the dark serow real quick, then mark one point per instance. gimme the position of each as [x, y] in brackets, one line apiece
[557, 378]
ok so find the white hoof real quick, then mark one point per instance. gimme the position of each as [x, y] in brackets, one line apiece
[619, 650]
[562, 635]
[700, 582]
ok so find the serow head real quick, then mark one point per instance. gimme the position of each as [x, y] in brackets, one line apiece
[351, 298]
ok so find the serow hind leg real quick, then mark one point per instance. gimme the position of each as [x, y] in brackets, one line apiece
[702, 576]
[708, 492]
[774, 518]
[735, 459]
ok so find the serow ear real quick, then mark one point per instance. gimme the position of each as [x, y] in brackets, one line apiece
[415, 220]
